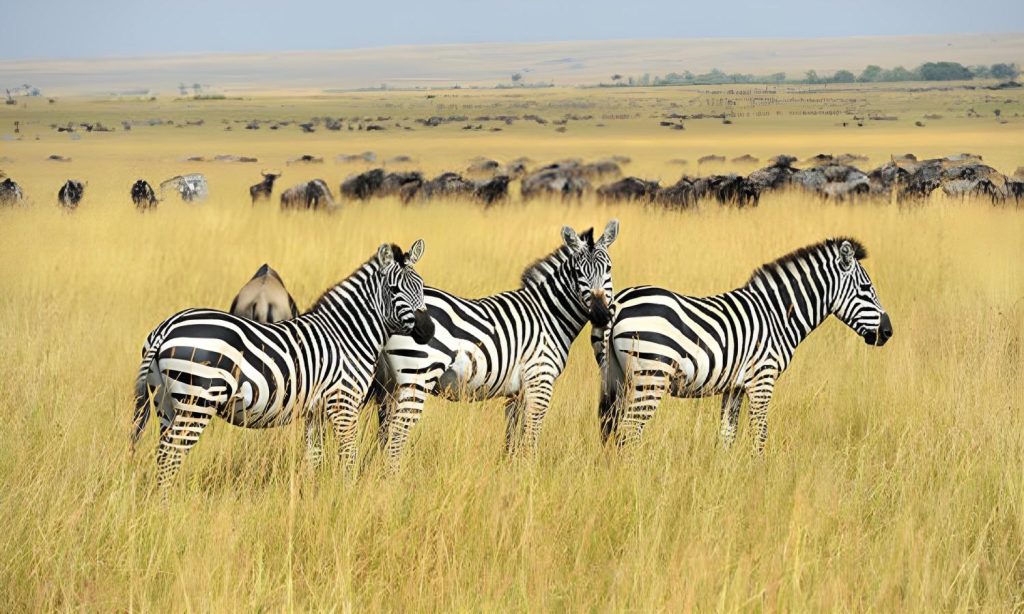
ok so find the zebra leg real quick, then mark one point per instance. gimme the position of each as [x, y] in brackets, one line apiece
[343, 412]
[608, 413]
[646, 389]
[383, 423]
[760, 396]
[408, 410]
[513, 424]
[732, 400]
[315, 440]
[176, 439]
[537, 401]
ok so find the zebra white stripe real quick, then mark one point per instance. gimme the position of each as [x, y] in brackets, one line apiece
[731, 344]
[512, 345]
[200, 363]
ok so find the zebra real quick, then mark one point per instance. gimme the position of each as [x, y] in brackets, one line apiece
[512, 345]
[191, 187]
[731, 344]
[200, 362]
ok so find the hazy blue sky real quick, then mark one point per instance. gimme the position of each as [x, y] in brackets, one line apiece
[76, 28]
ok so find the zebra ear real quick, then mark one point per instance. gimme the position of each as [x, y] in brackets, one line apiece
[846, 256]
[572, 240]
[384, 254]
[415, 253]
[611, 232]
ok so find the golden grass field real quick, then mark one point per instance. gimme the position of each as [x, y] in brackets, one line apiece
[892, 479]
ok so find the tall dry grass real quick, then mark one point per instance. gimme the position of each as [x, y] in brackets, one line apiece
[892, 479]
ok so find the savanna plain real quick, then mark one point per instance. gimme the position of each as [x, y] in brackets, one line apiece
[892, 479]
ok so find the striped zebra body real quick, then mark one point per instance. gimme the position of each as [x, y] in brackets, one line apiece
[732, 344]
[202, 363]
[512, 345]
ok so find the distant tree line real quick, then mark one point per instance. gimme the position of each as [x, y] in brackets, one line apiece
[929, 71]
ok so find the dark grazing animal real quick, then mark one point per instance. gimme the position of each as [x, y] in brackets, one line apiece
[313, 194]
[729, 189]
[264, 188]
[363, 185]
[628, 189]
[558, 179]
[493, 191]
[143, 195]
[70, 194]
[264, 298]
[10, 192]
[394, 183]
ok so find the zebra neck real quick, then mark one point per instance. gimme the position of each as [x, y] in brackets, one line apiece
[795, 304]
[349, 307]
[557, 303]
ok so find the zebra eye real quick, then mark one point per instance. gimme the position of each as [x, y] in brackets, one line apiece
[865, 287]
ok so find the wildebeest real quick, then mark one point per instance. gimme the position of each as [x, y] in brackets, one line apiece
[363, 185]
[680, 195]
[191, 187]
[264, 188]
[264, 298]
[773, 176]
[629, 188]
[70, 194]
[313, 194]
[10, 192]
[560, 178]
[727, 189]
[447, 184]
[394, 183]
[142, 194]
[832, 180]
[492, 191]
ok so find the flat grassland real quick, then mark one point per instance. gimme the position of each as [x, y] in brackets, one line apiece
[892, 479]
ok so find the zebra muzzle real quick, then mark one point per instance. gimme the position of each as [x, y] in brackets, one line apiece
[423, 329]
[600, 310]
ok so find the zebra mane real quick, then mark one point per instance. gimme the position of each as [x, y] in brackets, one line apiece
[859, 251]
[541, 268]
[370, 262]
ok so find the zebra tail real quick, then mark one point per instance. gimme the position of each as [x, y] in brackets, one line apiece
[611, 376]
[142, 392]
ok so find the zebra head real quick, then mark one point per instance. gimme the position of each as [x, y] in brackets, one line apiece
[401, 292]
[856, 302]
[591, 265]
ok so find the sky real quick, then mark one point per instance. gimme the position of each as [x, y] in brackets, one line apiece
[103, 28]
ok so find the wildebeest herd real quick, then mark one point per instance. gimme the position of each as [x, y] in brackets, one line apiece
[903, 178]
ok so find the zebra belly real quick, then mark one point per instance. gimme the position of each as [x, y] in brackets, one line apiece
[466, 378]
